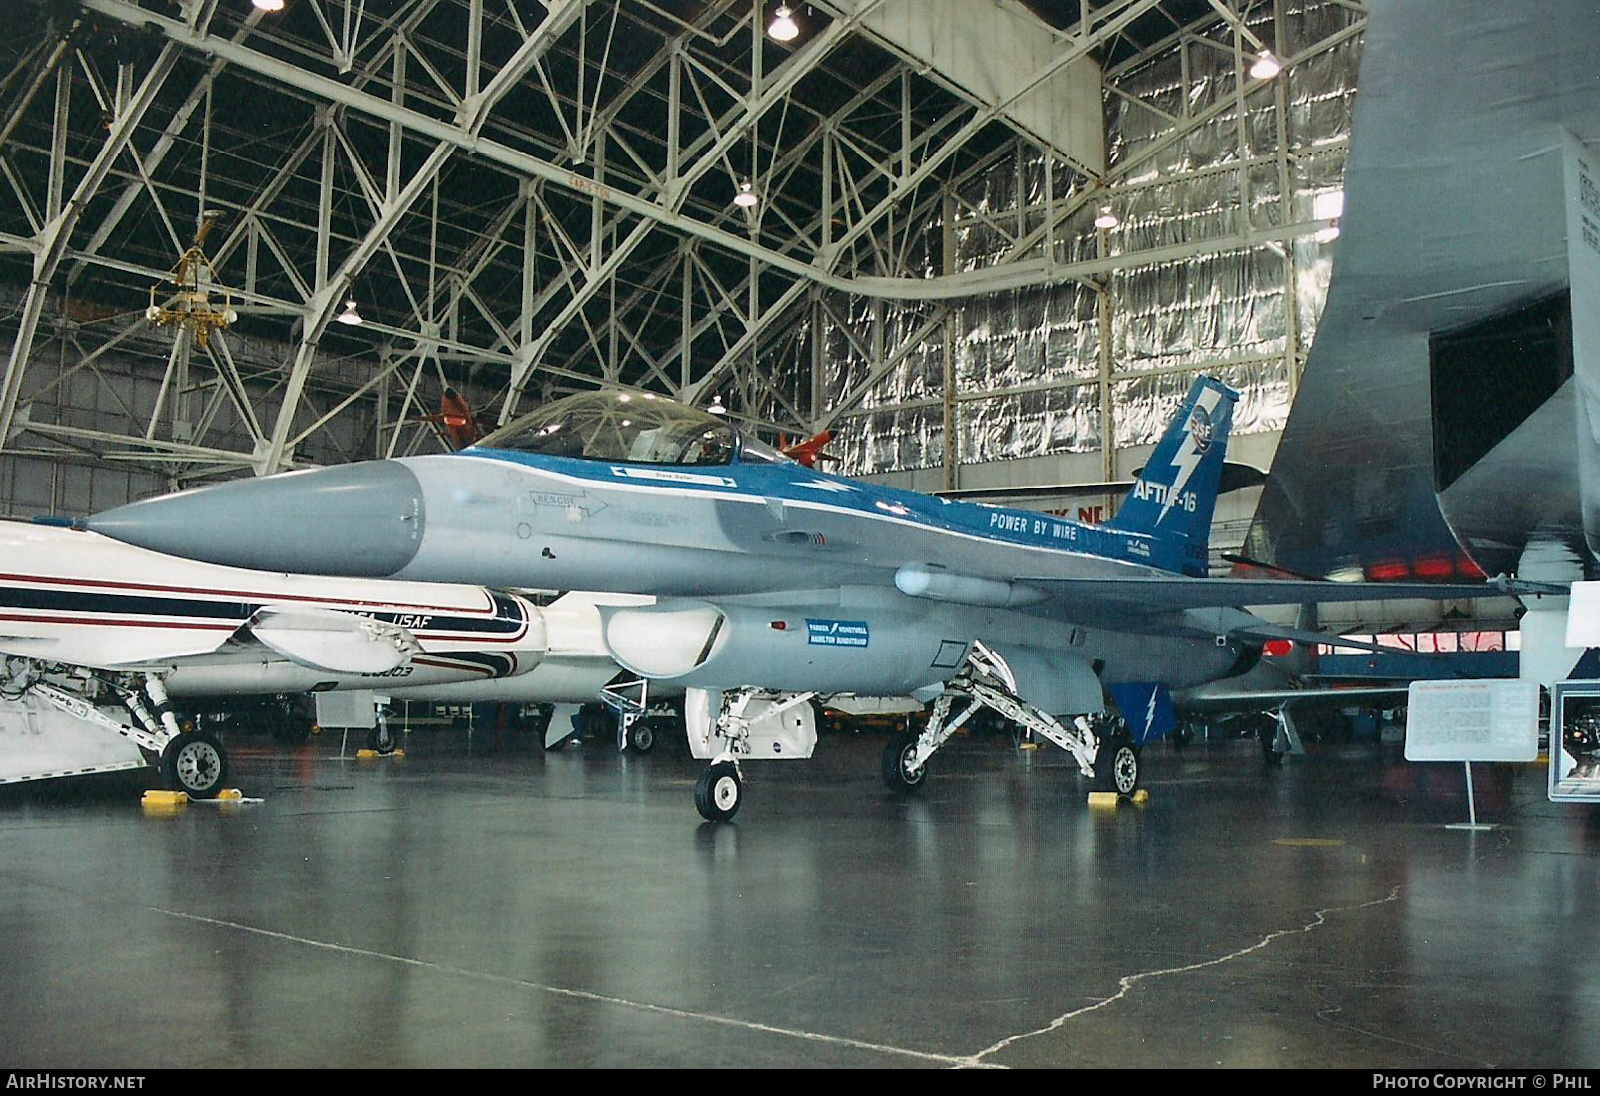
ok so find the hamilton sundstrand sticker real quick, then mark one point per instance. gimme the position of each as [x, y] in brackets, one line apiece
[836, 633]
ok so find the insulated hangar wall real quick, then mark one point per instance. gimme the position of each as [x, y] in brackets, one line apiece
[1072, 382]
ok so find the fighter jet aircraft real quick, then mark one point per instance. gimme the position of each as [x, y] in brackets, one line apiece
[83, 617]
[776, 583]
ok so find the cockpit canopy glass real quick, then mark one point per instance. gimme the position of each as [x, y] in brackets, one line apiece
[627, 427]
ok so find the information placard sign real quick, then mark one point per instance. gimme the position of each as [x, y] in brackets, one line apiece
[353, 710]
[1480, 720]
[1575, 742]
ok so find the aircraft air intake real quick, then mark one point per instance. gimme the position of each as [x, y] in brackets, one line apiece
[659, 643]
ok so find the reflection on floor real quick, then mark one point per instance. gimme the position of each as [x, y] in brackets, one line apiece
[516, 908]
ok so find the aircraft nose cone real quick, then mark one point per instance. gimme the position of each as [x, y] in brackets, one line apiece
[362, 520]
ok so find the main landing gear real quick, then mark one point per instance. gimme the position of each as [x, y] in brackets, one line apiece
[194, 763]
[631, 702]
[190, 761]
[381, 739]
[1101, 746]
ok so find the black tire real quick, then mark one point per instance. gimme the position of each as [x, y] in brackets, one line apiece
[1117, 767]
[382, 739]
[195, 763]
[641, 737]
[719, 792]
[896, 754]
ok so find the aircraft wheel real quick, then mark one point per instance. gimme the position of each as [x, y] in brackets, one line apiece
[897, 756]
[381, 738]
[1116, 766]
[195, 762]
[641, 737]
[718, 792]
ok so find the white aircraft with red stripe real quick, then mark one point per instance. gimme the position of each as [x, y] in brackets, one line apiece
[86, 619]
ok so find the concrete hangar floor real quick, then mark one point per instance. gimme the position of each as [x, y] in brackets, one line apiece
[520, 909]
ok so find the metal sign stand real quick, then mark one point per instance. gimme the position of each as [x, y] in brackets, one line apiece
[1472, 809]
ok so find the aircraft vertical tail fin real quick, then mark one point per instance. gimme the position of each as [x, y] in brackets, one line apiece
[1175, 496]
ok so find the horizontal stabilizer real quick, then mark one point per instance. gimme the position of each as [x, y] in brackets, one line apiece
[327, 639]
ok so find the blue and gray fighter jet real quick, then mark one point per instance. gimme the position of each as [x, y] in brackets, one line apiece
[776, 583]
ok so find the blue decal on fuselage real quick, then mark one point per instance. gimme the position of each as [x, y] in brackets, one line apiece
[836, 633]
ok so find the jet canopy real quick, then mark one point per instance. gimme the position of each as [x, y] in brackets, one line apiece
[626, 427]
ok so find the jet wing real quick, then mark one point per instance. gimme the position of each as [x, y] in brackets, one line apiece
[1160, 594]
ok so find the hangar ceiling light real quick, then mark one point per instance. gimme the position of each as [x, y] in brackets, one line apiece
[716, 407]
[1266, 66]
[1328, 206]
[350, 317]
[268, 5]
[746, 198]
[783, 28]
[1107, 219]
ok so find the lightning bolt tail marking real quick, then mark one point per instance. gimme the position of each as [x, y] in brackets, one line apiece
[1189, 454]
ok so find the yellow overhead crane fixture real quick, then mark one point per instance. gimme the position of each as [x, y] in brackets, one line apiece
[194, 279]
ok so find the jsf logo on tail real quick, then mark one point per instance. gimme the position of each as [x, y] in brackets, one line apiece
[1200, 431]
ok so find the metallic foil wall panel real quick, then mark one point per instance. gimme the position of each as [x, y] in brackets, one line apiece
[887, 440]
[1026, 362]
[1031, 424]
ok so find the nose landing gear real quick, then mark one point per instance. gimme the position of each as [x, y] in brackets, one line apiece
[719, 791]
